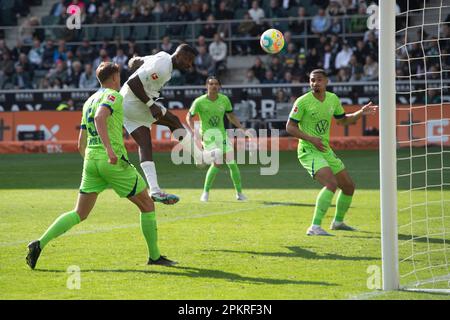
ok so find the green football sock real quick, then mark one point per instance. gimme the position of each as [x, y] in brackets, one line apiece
[150, 231]
[62, 224]
[323, 202]
[235, 176]
[342, 204]
[210, 176]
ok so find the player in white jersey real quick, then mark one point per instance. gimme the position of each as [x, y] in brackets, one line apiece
[141, 109]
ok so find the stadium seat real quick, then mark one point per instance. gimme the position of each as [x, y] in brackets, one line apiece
[89, 33]
[239, 13]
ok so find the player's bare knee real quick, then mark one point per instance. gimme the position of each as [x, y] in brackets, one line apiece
[331, 185]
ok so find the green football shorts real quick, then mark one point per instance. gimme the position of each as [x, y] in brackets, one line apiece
[224, 145]
[122, 177]
[314, 160]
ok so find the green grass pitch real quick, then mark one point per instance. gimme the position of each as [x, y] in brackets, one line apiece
[226, 249]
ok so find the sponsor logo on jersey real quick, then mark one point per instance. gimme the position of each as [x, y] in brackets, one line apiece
[321, 126]
[154, 76]
[111, 98]
[295, 109]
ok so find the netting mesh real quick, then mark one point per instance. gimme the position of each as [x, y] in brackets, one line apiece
[423, 137]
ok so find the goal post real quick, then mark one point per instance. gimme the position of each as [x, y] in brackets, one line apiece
[388, 158]
[414, 116]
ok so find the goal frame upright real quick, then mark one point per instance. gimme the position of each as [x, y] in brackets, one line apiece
[388, 150]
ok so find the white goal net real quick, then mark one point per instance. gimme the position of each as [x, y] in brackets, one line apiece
[423, 144]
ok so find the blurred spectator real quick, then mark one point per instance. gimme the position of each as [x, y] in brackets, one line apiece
[204, 64]
[18, 50]
[277, 68]
[343, 57]
[121, 59]
[358, 23]
[69, 61]
[205, 12]
[313, 59]
[201, 42]
[167, 45]
[143, 5]
[47, 56]
[36, 53]
[299, 25]
[335, 8]
[6, 67]
[290, 56]
[218, 52]
[356, 69]
[268, 77]
[299, 73]
[336, 26]
[183, 15]
[26, 65]
[30, 30]
[343, 75]
[361, 51]
[321, 23]
[247, 28]
[250, 78]
[109, 47]
[371, 42]
[223, 13]
[91, 9]
[195, 10]
[58, 8]
[88, 80]
[287, 41]
[323, 4]
[102, 16]
[102, 57]
[287, 78]
[60, 52]
[370, 69]
[256, 13]
[21, 79]
[169, 13]
[59, 72]
[86, 52]
[75, 74]
[158, 9]
[3, 47]
[258, 69]
[275, 11]
[209, 29]
[328, 63]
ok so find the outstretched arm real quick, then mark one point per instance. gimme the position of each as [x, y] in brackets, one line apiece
[352, 118]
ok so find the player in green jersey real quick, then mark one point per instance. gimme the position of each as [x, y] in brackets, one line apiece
[211, 109]
[105, 164]
[310, 121]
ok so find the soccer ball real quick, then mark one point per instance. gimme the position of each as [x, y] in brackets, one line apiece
[272, 41]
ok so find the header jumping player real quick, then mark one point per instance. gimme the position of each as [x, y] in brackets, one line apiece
[310, 121]
[141, 109]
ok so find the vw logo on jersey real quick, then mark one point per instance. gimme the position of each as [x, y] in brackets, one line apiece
[321, 126]
[214, 121]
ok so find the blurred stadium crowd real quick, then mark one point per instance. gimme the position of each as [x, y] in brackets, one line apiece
[56, 58]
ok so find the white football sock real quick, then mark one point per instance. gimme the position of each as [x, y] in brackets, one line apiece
[150, 174]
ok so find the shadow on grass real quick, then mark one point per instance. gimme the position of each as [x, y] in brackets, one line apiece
[406, 237]
[297, 252]
[191, 272]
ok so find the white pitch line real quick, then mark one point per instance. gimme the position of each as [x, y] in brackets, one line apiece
[135, 225]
